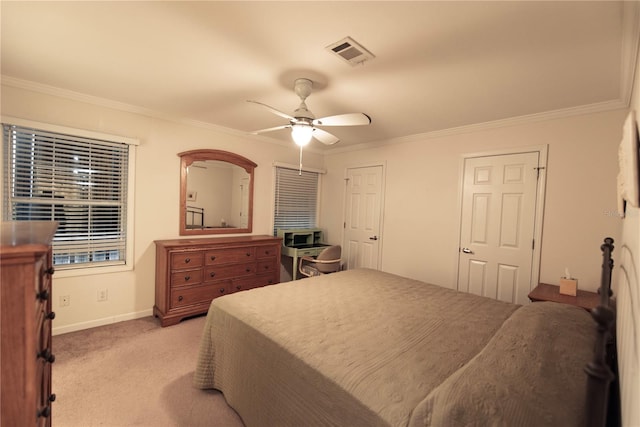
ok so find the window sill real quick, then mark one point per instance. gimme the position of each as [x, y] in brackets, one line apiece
[90, 271]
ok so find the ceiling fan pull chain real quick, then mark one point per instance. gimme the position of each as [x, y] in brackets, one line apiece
[300, 171]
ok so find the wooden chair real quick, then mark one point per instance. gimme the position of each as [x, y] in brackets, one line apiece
[327, 261]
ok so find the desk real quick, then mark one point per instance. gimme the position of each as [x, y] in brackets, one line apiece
[584, 299]
[300, 242]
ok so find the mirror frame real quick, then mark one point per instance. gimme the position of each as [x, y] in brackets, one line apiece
[186, 159]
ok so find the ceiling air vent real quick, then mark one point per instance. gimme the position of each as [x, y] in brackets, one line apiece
[350, 51]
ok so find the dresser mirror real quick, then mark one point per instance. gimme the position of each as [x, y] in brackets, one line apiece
[216, 192]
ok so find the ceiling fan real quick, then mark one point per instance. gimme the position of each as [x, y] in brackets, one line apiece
[303, 123]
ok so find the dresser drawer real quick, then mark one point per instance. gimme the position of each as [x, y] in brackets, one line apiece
[229, 271]
[40, 275]
[267, 266]
[186, 277]
[229, 255]
[43, 338]
[180, 260]
[244, 284]
[42, 285]
[267, 279]
[270, 251]
[202, 294]
[254, 282]
[44, 318]
[44, 397]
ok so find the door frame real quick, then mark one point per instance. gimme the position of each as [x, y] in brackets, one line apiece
[542, 151]
[383, 185]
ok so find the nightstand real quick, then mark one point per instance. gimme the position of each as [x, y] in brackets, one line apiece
[584, 299]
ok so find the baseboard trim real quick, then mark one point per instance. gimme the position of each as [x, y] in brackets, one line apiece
[101, 322]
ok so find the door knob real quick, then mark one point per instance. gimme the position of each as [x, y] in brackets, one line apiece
[467, 251]
[373, 238]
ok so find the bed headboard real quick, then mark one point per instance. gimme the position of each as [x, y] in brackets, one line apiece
[600, 373]
[623, 320]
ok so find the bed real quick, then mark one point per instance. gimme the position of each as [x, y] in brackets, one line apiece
[368, 348]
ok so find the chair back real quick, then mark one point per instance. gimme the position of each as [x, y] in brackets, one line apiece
[330, 253]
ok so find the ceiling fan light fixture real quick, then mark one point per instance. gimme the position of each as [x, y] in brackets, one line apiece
[301, 134]
[305, 125]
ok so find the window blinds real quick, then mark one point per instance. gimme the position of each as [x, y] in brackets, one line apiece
[79, 182]
[296, 199]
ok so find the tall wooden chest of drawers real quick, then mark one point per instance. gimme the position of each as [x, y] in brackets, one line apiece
[192, 272]
[25, 341]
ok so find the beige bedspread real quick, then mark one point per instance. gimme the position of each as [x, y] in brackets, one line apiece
[355, 348]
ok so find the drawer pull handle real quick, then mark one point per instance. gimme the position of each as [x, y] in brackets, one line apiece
[222, 290]
[248, 253]
[212, 274]
[47, 356]
[248, 270]
[50, 271]
[266, 267]
[238, 288]
[44, 295]
[52, 397]
[213, 257]
[45, 412]
[187, 278]
[187, 260]
[51, 315]
[180, 297]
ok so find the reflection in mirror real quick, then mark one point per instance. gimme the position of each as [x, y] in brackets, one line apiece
[217, 195]
[216, 192]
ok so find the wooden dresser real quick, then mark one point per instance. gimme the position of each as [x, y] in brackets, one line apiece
[192, 272]
[25, 301]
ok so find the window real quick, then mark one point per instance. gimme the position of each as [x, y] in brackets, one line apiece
[296, 199]
[79, 181]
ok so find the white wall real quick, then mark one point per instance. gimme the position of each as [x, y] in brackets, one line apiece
[626, 288]
[131, 294]
[421, 217]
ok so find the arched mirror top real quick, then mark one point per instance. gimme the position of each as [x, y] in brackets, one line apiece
[216, 192]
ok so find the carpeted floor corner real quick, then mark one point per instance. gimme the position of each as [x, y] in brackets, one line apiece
[134, 373]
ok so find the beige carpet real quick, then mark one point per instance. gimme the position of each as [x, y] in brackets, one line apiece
[134, 373]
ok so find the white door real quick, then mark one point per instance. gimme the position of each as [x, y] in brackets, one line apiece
[361, 246]
[498, 224]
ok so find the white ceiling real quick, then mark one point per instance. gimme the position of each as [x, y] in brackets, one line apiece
[438, 65]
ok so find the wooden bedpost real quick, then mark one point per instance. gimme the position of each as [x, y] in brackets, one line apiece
[598, 370]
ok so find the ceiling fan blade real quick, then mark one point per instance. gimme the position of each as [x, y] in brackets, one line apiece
[324, 136]
[350, 119]
[255, 132]
[273, 110]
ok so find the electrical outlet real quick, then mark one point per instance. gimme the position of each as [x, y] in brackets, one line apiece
[103, 295]
[65, 301]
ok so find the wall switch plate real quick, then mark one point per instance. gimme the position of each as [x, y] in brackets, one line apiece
[65, 301]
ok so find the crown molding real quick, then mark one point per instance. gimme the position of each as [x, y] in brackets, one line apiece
[129, 108]
[495, 124]
[513, 121]
[114, 105]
